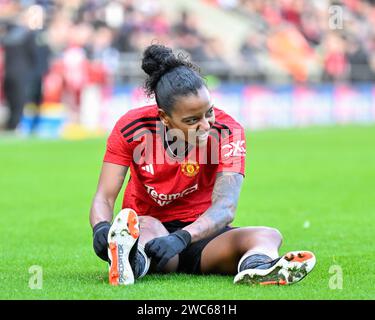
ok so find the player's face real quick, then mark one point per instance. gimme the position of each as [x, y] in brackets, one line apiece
[193, 115]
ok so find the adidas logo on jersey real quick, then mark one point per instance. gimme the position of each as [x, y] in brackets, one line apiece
[149, 168]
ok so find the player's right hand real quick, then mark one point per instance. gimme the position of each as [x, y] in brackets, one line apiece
[100, 241]
[166, 247]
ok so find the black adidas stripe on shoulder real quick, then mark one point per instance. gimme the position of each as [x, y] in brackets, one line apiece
[143, 125]
[217, 126]
[140, 134]
[143, 119]
[222, 131]
[132, 130]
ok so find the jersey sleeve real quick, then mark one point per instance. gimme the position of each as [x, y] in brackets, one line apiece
[118, 150]
[232, 149]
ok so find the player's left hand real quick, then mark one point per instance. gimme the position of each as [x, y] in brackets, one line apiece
[165, 248]
[100, 239]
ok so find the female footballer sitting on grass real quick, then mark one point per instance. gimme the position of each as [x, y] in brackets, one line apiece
[187, 161]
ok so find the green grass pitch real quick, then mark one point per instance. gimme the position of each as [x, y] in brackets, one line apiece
[316, 185]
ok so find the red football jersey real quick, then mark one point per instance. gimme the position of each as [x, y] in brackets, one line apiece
[163, 185]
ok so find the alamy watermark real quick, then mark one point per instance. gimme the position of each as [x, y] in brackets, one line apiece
[35, 16]
[36, 278]
[336, 17]
[336, 280]
[181, 146]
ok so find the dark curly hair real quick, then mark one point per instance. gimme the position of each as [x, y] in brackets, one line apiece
[169, 76]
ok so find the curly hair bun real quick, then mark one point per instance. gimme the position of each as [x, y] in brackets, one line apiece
[169, 76]
[158, 60]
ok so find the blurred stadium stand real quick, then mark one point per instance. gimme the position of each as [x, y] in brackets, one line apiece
[88, 53]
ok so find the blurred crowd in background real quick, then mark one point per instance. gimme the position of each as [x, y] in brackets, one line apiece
[50, 50]
[336, 38]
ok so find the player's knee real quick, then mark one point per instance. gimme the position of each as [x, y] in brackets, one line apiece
[272, 233]
[152, 225]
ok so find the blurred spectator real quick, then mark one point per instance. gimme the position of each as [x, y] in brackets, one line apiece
[1, 73]
[335, 59]
[188, 38]
[214, 49]
[187, 24]
[76, 67]
[291, 50]
[20, 52]
[102, 51]
[40, 69]
[360, 70]
[131, 26]
[291, 11]
[310, 25]
[252, 50]
[371, 50]
[37, 23]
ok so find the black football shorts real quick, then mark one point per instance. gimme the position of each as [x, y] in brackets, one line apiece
[190, 258]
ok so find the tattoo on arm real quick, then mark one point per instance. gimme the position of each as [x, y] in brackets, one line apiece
[224, 203]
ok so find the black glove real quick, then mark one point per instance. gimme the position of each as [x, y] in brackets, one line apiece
[165, 248]
[100, 239]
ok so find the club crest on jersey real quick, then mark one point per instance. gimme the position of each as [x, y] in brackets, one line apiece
[190, 169]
